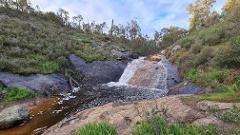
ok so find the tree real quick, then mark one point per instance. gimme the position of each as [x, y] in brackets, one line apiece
[86, 27]
[134, 29]
[22, 4]
[200, 11]
[78, 19]
[111, 28]
[64, 15]
[171, 35]
[100, 27]
[231, 11]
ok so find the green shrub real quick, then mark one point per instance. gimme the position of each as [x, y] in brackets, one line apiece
[211, 35]
[158, 126]
[192, 75]
[196, 48]
[49, 67]
[232, 115]
[213, 108]
[97, 129]
[16, 94]
[186, 42]
[204, 56]
[229, 57]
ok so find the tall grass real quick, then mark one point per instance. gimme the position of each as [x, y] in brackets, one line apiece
[97, 129]
[158, 126]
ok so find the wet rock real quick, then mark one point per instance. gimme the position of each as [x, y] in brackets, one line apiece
[173, 77]
[185, 88]
[102, 71]
[49, 84]
[12, 116]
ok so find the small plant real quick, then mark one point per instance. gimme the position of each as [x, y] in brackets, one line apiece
[49, 67]
[97, 129]
[232, 115]
[193, 75]
[213, 109]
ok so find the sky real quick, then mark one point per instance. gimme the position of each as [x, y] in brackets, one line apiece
[152, 15]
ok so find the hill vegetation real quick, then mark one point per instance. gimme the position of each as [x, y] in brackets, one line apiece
[210, 54]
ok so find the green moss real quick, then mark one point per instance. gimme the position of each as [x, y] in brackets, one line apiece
[97, 129]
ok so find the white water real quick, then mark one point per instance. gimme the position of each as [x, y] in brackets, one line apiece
[143, 73]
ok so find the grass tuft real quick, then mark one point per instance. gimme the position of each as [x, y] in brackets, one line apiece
[97, 129]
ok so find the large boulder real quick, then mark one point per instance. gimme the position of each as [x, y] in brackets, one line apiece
[46, 84]
[12, 116]
[185, 88]
[102, 71]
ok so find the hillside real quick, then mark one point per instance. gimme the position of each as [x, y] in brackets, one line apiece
[38, 42]
[62, 75]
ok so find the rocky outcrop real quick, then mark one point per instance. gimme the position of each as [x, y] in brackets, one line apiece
[102, 71]
[125, 115]
[46, 84]
[185, 88]
[13, 115]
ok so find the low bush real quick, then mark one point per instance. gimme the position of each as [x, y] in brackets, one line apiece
[232, 115]
[212, 35]
[97, 129]
[16, 94]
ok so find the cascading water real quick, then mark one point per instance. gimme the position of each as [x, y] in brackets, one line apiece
[146, 74]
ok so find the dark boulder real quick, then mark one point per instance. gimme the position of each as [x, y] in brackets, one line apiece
[102, 71]
[185, 88]
[46, 84]
[173, 77]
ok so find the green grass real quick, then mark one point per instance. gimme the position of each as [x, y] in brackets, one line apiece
[232, 115]
[16, 94]
[97, 129]
[158, 126]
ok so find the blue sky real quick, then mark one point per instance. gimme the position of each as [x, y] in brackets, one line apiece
[152, 15]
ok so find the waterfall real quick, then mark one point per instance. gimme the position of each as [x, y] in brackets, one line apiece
[144, 73]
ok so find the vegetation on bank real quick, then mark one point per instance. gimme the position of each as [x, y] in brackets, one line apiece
[158, 126]
[97, 129]
[210, 54]
[14, 94]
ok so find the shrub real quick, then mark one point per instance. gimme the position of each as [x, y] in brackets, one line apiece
[204, 56]
[192, 75]
[196, 48]
[97, 129]
[16, 94]
[213, 108]
[49, 67]
[211, 35]
[232, 115]
[186, 42]
[230, 56]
